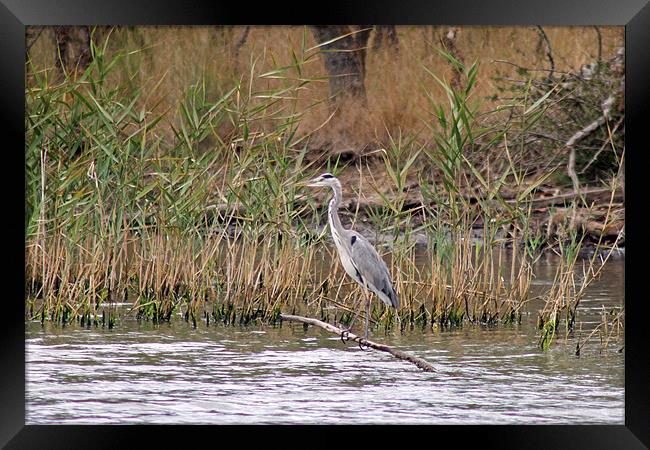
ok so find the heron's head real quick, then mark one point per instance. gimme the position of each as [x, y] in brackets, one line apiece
[326, 179]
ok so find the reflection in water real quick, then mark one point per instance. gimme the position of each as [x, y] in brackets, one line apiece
[172, 373]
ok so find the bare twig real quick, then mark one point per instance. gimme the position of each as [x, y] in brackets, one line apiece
[529, 69]
[241, 41]
[600, 44]
[549, 51]
[422, 364]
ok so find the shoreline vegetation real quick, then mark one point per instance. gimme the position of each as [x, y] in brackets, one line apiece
[193, 206]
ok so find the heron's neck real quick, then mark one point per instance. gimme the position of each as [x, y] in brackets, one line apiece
[333, 212]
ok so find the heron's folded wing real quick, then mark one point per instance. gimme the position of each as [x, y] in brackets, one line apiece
[373, 268]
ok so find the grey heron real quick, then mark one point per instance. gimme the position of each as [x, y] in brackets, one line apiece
[358, 257]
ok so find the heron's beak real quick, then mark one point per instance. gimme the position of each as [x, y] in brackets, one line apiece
[312, 183]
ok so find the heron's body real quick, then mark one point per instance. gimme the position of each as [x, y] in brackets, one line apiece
[358, 257]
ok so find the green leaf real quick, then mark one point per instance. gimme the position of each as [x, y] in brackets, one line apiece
[539, 101]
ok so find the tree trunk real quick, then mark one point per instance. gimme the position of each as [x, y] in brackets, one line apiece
[385, 34]
[73, 48]
[344, 61]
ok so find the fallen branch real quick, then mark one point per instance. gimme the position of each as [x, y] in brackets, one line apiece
[422, 364]
[586, 131]
[589, 194]
[602, 147]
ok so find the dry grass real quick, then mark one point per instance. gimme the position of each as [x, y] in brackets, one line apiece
[395, 82]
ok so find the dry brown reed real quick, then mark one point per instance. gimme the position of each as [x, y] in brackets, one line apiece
[176, 193]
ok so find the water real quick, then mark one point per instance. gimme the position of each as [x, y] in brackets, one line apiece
[172, 373]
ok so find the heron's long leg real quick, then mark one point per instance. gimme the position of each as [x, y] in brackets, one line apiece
[366, 295]
[367, 314]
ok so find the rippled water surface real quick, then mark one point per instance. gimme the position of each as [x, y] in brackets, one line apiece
[173, 373]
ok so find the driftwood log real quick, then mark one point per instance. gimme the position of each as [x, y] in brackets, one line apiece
[422, 364]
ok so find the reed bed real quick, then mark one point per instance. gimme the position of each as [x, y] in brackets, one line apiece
[211, 226]
[572, 278]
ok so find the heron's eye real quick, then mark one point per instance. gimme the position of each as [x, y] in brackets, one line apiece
[327, 175]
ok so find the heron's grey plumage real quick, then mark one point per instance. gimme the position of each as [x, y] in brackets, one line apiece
[358, 257]
[377, 277]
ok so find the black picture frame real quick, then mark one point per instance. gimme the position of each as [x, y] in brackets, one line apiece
[15, 15]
